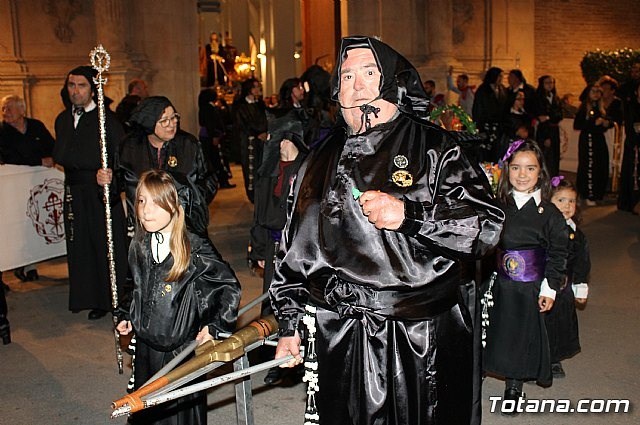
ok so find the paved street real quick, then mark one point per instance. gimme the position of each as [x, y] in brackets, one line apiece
[61, 369]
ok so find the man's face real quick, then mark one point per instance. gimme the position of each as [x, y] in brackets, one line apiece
[297, 93]
[256, 90]
[141, 90]
[359, 78]
[513, 80]
[428, 88]
[461, 83]
[79, 90]
[11, 112]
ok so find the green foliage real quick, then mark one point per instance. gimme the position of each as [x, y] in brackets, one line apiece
[615, 63]
[459, 113]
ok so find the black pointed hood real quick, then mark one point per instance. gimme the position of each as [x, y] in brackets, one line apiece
[400, 83]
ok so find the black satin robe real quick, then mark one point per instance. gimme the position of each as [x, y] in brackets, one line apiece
[195, 180]
[166, 316]
[394, 344]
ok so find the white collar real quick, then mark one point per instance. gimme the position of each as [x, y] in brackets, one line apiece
[522, 198]
[160, 249]
[572, 224]
[250, 100]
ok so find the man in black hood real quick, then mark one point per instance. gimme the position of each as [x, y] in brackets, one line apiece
[387, 211]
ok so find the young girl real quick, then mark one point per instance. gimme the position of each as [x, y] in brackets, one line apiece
[562, 321]
[183, 290]
[531, 260]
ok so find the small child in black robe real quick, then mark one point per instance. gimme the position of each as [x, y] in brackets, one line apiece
[562, 320]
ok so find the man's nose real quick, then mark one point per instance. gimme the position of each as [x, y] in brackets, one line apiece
[358, 82]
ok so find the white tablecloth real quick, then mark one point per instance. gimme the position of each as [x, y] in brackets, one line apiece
[31, 218]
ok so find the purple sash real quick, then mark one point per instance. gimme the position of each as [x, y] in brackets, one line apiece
[526, 265]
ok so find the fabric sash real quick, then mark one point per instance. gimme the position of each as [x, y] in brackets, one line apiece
[526, 265]
[373, 306]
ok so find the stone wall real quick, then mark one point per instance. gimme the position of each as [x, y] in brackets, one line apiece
[565, 30]
[41, 40]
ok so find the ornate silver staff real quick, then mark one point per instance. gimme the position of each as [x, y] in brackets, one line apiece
[100, 60]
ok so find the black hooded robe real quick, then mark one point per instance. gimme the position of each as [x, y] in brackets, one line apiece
[78, 151]
[394, 340]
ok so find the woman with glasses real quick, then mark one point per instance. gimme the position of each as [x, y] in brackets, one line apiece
[157, 142]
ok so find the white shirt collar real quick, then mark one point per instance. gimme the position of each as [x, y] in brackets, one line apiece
[522, 198]
[572, 224]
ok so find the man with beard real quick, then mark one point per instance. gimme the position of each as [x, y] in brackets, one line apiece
[387, 211]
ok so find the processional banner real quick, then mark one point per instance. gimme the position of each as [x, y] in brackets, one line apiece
[31, 217]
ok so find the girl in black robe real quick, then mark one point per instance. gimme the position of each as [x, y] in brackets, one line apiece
[489, 107]
[531, 261]
[593, 155]
[562, 320]
[549, 114]
[183, 290]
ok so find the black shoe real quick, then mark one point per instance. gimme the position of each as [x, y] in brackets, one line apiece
[96, 314]
[5, 331]
[227, 185]
[511, 394]
[557, 370]
[5, 287]
[274, 376]
[33, 275]
[19, 273]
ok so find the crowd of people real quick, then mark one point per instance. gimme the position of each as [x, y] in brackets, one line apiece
[368, 221]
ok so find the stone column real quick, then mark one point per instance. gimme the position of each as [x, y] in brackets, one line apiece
[439, 31]
[12, 66]
[111, 27]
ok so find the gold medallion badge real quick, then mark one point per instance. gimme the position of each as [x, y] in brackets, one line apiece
[167, 288]
[402, 178]
[172, 161]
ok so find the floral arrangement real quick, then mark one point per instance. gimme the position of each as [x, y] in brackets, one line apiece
[615, 63]
[458, 114]
[492, 171]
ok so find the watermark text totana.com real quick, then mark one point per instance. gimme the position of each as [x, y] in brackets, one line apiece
[533, 405]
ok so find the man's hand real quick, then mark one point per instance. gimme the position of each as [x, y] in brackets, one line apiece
[289, 345]
[124, 327]
[104, 176]
[47, 162]
[382, 210]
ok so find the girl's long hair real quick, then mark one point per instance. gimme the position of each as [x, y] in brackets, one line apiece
[162, 189]
[504, 185]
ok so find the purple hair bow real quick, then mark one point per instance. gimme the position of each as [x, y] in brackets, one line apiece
[512, 148]
[555, 181]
